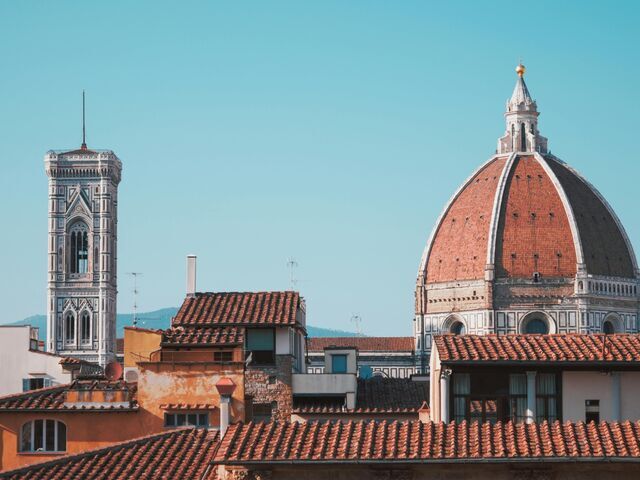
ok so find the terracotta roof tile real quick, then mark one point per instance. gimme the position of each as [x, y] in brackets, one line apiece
[375, 395]
[189, 335]
[570, 347]
[53, 398]
[178, 454]
[239, 308]
[363, 344]
[382, 441]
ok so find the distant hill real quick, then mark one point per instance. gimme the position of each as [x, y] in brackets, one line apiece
[161, 319]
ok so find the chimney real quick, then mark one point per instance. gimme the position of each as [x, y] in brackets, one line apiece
[191, 275]
[225, 387]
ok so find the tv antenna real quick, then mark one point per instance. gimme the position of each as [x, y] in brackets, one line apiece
[357, 320]
[135, 276]
[292, 264]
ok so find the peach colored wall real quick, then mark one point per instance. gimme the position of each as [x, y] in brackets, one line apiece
[138, 344]
[192, 383]
[85, 431]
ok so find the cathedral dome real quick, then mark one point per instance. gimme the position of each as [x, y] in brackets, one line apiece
[526, 213]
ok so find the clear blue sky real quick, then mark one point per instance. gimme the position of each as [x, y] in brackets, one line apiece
[330, 131]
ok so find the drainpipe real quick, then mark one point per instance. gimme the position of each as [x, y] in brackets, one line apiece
[531, 397]
[445, 377]
[225, 387]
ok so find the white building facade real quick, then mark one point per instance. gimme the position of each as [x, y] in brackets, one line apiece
[82, 253]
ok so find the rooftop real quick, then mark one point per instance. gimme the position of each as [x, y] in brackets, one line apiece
[363, 344]
[375, 395]
[398, 442]
[569, 347]
[177, 454]
[204, 335]
[54, 398]
[240, 308]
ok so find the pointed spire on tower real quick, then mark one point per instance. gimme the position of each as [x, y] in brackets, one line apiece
[84, 143]
[522, 133]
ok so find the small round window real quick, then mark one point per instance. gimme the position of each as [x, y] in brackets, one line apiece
[536, 326]
[458, 328]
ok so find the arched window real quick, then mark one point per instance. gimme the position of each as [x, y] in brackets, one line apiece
[85, 327]
[458, 328]
[69, 327]
[608, 328]
[536, 323]
[523, 138]
[79, 248]
[43, 436]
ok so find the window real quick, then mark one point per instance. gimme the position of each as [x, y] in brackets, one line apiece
[69, 327]
[43, 436]
[458, 328]
[262, 412]
[187, 419]
[338, 363]
[461, 391]
[523, 138]
[222, 356]
[35, 383]
[85, 327]
[261, 346]
[546, 399]
[607, 327]
[79, 248]
[535, 324]
[518, 397]
[592, 411]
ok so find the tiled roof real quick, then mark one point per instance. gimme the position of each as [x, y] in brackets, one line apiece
[177, 454]
[74, 361]
[53, 398]
[187, 406]
[375, 395]
[570, 347]
[382, 441]
[189, 335]
[239, 308]
[363, 344]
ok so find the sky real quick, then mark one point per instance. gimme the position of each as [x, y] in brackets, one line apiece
[331, 132]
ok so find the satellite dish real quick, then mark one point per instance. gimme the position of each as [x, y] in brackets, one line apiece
[113, 371]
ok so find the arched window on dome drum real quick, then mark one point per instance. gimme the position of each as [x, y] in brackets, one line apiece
[608, 328]
[79, 248]
[69, 327]
[523, 138]
[536, 326]
[85, 327]
[458, 328]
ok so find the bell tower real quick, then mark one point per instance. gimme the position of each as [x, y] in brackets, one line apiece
[82, 252]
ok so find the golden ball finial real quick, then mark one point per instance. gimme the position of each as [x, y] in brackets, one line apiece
[520, 69]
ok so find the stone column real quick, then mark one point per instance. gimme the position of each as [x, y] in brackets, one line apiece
[531, 397]
[445, 380]
[615, 397]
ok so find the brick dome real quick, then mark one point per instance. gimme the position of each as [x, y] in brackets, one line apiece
[522, 213]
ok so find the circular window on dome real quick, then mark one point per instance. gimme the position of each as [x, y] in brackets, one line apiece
[457, 328]
[535, 324]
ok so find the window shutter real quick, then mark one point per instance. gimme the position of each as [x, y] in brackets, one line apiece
[25, 385]
[47, 382]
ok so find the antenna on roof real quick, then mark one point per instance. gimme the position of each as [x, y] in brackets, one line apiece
[135, 276]
[84, 142]
[292, 264]
[357, 319]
